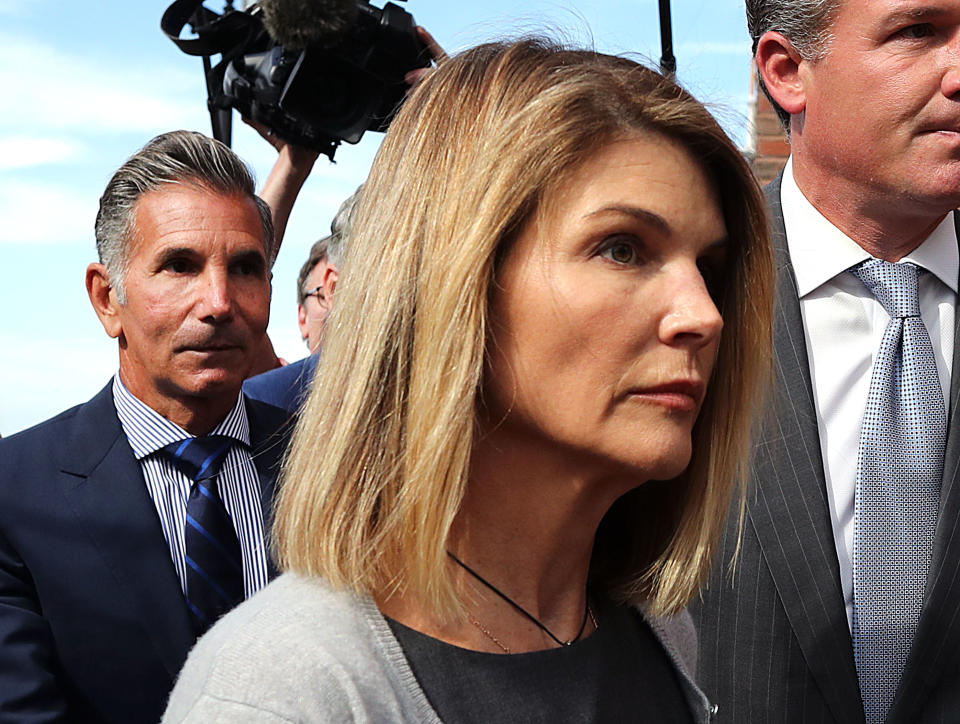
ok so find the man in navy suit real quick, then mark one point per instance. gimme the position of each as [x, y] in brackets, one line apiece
[94, 558]
[843, 603]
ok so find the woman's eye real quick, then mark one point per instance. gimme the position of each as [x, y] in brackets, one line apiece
[620, 252]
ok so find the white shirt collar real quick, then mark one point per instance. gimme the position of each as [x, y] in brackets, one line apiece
[148, 431]
[819, 251]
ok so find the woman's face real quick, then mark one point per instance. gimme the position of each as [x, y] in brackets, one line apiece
[604, 329]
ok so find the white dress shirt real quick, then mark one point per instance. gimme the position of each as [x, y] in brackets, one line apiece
[148, 432]
[843, 324]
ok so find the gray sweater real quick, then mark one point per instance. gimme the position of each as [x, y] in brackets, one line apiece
[300, 651]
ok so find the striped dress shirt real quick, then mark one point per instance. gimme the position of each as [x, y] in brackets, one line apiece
[149, 432]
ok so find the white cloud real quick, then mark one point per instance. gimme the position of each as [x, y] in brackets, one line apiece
[20, 151]
[45, 213]
[67, 91]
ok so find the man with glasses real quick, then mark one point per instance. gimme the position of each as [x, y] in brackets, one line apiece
[313, 304]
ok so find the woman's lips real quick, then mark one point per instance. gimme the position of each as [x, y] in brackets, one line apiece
[680, 395]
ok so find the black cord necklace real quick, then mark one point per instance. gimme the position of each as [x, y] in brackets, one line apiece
[583, 624]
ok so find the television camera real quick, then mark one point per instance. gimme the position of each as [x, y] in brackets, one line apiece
[314, 72]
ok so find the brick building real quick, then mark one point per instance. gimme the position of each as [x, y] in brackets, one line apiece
[769, 147]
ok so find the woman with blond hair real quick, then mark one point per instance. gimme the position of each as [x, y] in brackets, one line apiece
[526, 427]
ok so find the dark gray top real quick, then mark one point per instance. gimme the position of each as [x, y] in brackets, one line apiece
[620, 673]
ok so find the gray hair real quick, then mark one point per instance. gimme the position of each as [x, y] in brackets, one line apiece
[805, 23]
[178, 157]
[340, 228]
[330, 248]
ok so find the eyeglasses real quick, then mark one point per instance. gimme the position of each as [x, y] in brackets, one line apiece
[316, 292]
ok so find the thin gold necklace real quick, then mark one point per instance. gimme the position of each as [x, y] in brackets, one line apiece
[489, 635]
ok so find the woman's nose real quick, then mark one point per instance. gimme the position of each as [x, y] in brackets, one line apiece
[690, 314]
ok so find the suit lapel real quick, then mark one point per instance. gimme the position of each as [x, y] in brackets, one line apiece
[104, 487]
[936, 646]
[789, 509]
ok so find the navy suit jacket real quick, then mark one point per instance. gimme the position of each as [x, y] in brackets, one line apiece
[286, 387]
[775, 645]
[93, 622]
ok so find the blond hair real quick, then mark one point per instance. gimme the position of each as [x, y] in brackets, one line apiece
[380, 458]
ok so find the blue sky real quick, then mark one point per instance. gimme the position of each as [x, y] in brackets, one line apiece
[86, 84]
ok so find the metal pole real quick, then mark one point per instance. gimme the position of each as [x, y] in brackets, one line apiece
[221, 119]
[668, 63]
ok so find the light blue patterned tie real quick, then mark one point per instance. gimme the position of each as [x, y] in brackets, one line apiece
[899, 469]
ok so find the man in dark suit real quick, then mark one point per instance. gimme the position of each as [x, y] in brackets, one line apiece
[870, 93]
[117, 551]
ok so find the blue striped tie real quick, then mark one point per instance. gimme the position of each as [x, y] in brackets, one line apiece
[214, 562]
[899, 469]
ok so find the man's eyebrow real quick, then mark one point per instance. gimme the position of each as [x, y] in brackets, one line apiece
[250, 256]
[646, 216]
[173, 252]
[923, 12]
